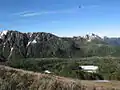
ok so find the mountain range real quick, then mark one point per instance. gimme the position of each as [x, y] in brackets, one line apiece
[17, 45]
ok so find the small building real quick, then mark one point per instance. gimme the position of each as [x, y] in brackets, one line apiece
[47, 72]
[91, 69]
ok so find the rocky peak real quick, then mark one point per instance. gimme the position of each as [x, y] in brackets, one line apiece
[90, 37]
[3, 34]
[16, 44]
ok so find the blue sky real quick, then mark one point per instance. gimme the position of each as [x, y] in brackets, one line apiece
[62, 17]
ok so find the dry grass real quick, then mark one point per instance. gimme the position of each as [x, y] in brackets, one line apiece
[111, 84]
[16, 79]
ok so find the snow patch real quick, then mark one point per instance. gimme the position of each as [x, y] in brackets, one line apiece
[31, 34]
[89, 67]
[4, 44]
[3, 33]
[10, 52]
[89, 40]
[11, 49]
[34, 41]
[28, 43]
[47, 71]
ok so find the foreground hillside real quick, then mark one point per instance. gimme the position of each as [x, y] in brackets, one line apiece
[16, 79]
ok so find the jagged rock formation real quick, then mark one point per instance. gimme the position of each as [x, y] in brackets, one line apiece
[16, 45]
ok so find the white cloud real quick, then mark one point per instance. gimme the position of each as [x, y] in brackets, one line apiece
[70, 10]
[19, 13]
[28, 13]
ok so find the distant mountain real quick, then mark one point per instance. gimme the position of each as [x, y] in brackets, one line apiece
[16, 45]
[112, 41]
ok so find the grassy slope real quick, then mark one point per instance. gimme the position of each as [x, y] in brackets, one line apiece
[111, 84]
[16, 79]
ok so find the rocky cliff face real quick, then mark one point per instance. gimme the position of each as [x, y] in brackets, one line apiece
[14, 44]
